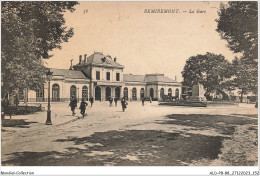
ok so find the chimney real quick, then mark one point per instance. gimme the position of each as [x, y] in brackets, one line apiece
[80, 59]
[71, 64]
[85, 58]
[115, 59]
[175, 78]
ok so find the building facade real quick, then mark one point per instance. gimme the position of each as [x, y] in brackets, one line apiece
[102, 77]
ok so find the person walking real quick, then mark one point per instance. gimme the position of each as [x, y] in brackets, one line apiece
[143, 101]
[82, 107]
[123, 103]
[115, 99]
[151, 99]
[91, 99]
[110, 101]
[73, 104]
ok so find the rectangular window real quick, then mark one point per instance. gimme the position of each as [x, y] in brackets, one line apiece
[117, 76]
[108, 76]
[39, 95]
[97, 75]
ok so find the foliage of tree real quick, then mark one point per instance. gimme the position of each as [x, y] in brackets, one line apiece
[209, 70]
[237, 24]
[244, 77]
[29, 31]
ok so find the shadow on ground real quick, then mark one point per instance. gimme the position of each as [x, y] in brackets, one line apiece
[21, 123]
[153, 147]
[126, 148]
[224, 124]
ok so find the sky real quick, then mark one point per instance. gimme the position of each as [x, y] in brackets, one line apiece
[144, 43]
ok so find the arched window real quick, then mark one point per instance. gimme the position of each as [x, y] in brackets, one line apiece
[126, 93]
[177, 93]
[142, 93]
[170, 92]
[161, 93]
[55, 92]
[73, 91]
[134, 94]
[85, 93]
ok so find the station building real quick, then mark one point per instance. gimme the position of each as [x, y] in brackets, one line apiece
[101, 77]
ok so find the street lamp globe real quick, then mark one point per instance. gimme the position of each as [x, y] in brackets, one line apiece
[49, 75]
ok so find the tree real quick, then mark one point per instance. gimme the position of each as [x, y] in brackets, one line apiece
[29, 31]
[237, 24]
[244, 76]
[209, 70]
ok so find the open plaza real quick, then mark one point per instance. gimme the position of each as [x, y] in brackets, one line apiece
[148, 135]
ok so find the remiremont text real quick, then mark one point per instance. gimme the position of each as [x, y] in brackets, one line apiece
[173, 11]
[161, 10]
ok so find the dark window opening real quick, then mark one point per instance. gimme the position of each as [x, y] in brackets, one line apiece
[117, 76]
[97, 75]
[108, 76]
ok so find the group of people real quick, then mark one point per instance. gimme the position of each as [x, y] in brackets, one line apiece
[82, 107]
[73, 104]
[123, 102]
[111, 101]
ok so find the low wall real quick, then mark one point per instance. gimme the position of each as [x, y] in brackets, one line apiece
[222, 103]
[22, 110]
[192, 104]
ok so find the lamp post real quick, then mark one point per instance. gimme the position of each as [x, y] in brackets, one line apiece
[78, 94]
[49, 76]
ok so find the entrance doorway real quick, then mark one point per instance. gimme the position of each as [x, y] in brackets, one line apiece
[126, 93]
[134, 94]
[108, 93]
[73, 92]
[170, 92]
[85, 93]
[39, 95]
[55, 92]
[98, 93]
[117, 92]
[151, 93]
[161, 93]
[142, 93]
[177, 93]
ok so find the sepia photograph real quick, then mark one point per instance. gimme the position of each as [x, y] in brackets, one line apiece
[129, 83]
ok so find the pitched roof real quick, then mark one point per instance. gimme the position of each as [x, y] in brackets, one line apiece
[148, 78]
[133, 78]
[97, 59]
[68, 73]
[158, 78]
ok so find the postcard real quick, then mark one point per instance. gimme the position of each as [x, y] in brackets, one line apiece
[129, 83]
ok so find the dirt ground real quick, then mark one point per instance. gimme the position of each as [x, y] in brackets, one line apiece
[149, 135]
